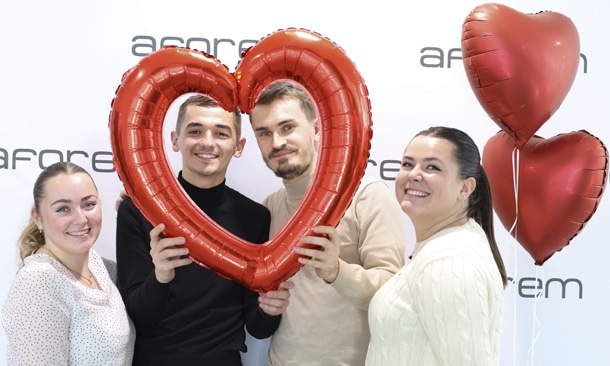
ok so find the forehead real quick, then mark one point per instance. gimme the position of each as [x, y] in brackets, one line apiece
[66, 185]
[427, 147]
[279, 110]
[207, 116]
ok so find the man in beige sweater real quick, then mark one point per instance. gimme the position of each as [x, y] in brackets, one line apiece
[326, 320]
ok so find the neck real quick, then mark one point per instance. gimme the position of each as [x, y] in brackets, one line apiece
[202, 181]
[78, 268]
[425, 230]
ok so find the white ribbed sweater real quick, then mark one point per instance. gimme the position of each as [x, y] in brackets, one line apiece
[442, 308]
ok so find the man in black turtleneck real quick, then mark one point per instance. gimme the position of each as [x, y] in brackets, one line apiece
[185, 314]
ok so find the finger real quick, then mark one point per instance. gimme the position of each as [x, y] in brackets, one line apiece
[173, 253]
[170, 242]
[287, 285]
[156, 232]
[271, 310]
[327, 230]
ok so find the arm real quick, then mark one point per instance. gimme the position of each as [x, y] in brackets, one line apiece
[374, 227]
[263, 311]
[145, 297]
[36, 321]
[454, 307]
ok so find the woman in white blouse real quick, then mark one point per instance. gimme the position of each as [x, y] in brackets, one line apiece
[444, 307]
[63, 307]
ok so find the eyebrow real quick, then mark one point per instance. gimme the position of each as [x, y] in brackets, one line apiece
[63, 200]
[425, 159]
[281, 123]
[199, 124]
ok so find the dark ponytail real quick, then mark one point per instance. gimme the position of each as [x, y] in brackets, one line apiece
[480, 206]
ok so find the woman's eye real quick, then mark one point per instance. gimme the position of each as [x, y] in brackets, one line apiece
[90, 204]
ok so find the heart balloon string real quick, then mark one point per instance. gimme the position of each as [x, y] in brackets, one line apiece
[512, 231]
[536, 326]
[515, 165]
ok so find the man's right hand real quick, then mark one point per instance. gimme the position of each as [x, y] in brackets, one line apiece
[167, 254]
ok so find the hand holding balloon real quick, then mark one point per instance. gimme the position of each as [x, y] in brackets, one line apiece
[322, 254]
[275, 302]
[167, 254]
[136, 123]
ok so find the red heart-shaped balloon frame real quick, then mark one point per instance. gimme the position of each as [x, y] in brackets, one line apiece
[136, 125]
[560, 183]
[519, 66]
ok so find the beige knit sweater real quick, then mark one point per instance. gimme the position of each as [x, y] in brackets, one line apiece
[326, 324]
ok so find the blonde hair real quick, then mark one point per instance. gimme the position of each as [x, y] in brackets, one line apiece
[31, 237]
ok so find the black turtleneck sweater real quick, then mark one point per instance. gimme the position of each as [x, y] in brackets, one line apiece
[199, 317]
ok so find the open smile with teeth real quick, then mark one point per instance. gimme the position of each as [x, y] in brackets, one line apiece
[79, 233]
[207, 156]
[412, 192]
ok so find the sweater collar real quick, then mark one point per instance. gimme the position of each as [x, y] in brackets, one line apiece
[295, 191]
[211, 196]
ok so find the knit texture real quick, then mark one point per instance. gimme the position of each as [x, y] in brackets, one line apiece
[443, 308]
[326, 324]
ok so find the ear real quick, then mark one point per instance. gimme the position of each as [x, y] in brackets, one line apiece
[468, 186]
[36, 218]
[317, 128]
[239, 147]
[174, 136]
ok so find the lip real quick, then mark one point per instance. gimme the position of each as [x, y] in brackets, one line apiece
[206, 156]
[411, 192]
[282, 154]
[79, 233]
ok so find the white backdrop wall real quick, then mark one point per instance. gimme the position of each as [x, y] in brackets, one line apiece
[62, 61]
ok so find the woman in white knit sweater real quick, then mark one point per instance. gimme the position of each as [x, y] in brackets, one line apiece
[444, 307]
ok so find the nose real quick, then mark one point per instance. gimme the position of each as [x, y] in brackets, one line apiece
[278, 141]
[415, 174]
[207, 139]
[81, 216]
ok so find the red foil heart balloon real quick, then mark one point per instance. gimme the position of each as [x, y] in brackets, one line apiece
[560, 185]
[520, 66]
[136, 128]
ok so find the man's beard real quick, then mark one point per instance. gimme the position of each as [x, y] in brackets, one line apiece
[288, 172]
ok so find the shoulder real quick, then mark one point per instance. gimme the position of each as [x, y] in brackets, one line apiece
[467, 242]
[38, 275]
[128, 208]
[102, 265]
[275, 196]
[374, 194]
[370, 185]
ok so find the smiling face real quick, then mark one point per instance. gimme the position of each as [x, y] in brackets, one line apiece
[207, 140]
[286, 137]
[429, 188]
[69, 213]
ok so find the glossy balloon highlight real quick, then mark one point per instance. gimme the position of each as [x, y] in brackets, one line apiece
[136, 124]
[560, 184]
[520, 66]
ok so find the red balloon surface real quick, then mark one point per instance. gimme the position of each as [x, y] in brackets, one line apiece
[560, 185]
[520, 66]
[136, 128]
